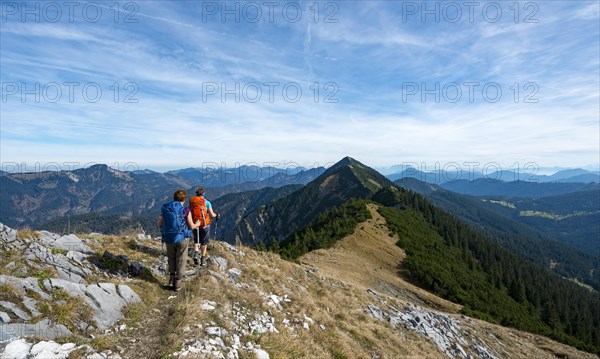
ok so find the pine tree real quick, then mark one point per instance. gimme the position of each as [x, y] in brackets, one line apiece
[517, 291]
[275, 248]
[260, 246]
[550, 315]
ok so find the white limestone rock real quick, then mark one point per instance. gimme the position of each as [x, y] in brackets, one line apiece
[17, 349]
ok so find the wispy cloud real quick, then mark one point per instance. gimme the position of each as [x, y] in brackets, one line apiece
[363, 61]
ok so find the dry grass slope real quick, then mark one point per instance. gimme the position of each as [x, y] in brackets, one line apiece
[370, 259]
[341, 327]
[327, 292]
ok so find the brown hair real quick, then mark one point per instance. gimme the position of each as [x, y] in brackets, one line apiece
[200, 191]
[179, 195]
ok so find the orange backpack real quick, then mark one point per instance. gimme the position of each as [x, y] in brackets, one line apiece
[199, 211]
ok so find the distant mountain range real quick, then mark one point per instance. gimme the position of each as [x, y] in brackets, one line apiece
[276, 202]
[36, 198]
[449, 176]
[487, 187]
[497, 255]
[268, 176]
[56, 199]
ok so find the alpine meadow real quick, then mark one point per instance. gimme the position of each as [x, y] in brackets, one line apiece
[243, 179]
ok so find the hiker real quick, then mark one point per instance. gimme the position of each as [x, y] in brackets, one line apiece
[202, 211]
[175, 223]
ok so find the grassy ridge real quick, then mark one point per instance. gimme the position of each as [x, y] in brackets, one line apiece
[328, 228]
[449, 271]
[453, 260]
[457, 263]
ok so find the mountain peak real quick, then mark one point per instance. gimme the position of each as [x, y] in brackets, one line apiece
[343, 181]
[368, 178]
[346, 161]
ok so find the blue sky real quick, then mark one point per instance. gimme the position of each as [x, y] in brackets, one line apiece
[378, 67]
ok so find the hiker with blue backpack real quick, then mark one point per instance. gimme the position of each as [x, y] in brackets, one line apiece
[176, 225]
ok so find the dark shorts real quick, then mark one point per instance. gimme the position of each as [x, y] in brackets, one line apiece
[201, 235]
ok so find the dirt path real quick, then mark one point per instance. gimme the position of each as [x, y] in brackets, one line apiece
[148, 335]
[155, 324]
[370, 258]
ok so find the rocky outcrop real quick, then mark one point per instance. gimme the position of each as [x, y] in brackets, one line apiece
[106, 299]
[45, 349]
[24, 285]
[212, 341]
[68, 256]
[218, 342]
[253, 306]
[43, 329]
[450, 335]
[64, 243]
[8, 238]
[39, 255]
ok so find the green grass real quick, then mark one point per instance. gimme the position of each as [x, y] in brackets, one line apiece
[9, 293]
[44, 273]
[66, 310]
[58, 251]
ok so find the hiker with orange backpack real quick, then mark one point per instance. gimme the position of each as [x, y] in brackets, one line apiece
[201, 210]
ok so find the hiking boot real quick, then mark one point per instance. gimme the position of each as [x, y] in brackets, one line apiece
[196, 260]
[178, 284]
[203, 260]
[171, 282]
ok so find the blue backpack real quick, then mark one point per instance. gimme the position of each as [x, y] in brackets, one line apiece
[174, 229]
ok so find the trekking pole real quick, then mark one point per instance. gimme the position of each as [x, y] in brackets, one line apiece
[216, 228]
[164, 256]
